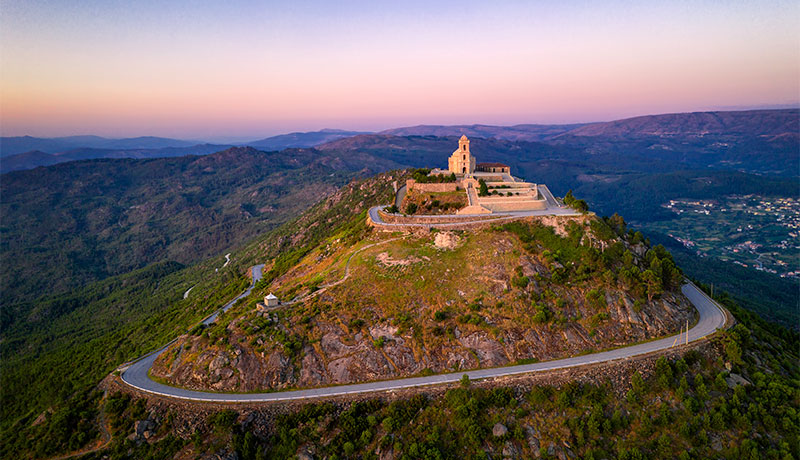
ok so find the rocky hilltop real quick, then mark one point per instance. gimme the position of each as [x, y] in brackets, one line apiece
[366, 305]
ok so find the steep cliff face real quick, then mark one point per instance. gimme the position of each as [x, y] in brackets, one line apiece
[399, 305]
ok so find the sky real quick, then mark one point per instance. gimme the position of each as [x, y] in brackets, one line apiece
[207, 69]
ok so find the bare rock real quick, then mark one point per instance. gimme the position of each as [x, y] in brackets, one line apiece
[734, 380]
[446, 240]
[490, 352]
[312, 370]
[531, 435]
[499, 430]
[510, 450]
[304, 455]
[140, 427]
[219, 362]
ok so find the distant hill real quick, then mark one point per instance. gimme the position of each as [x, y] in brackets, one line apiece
[21, 144]
[760, 141]
[770, 124]
[301, 140]
[30, 160]
[81, 221]
[761, 123]
[757, 141]
[514, 133]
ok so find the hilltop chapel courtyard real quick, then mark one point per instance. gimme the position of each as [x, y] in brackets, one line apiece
[468, 188]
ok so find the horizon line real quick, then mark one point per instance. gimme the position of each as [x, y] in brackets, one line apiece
[241, 139]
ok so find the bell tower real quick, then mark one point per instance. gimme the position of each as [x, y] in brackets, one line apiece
[462, 161]
[463, 144]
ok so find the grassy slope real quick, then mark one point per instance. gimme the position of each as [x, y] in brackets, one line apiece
[488, 286]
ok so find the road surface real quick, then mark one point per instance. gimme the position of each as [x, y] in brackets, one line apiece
[401, 193]
[712, 318]
[548, 197]
[256, 277]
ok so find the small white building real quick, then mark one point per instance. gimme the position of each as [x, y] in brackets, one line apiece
[271, 300]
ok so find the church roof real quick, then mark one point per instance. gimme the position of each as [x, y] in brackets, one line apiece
[271, 296]
[492, 165]
[464, 137]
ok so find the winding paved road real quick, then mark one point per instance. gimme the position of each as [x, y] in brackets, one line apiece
[257, 269]
[712, 318]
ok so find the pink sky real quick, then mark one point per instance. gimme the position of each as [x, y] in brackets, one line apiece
[251, 69]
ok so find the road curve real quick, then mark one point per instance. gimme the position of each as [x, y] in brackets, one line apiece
[712, 318]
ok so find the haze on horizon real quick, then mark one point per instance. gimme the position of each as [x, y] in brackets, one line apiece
[248, 68]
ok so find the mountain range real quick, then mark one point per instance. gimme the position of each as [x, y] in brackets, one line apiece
[14, 145]
[762, 141]
[300, 140]
[26, 152]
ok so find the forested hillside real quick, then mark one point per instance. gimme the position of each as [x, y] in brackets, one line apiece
[78, 222]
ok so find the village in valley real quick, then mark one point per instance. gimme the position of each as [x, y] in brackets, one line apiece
[758, 232]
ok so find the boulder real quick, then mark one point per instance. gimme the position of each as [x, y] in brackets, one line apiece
[143, 428]
[304, 455]
[510, 450]
[531, 434]
[499, 430]
[734, 380]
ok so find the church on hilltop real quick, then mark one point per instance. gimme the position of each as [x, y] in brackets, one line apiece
[461, 162]
[489, 187]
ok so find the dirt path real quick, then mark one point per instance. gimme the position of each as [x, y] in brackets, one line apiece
[340, 281]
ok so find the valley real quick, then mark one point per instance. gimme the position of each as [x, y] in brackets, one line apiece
[748, 230]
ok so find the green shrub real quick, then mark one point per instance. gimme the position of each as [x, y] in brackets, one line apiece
[483, 189]
[520, 281]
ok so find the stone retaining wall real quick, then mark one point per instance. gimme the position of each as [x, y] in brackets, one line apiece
[397, 219]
